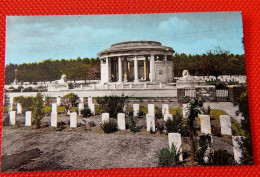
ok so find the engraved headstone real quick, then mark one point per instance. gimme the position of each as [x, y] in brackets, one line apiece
[54, 120]
[12, 115]
[225, 124]
[135, 109]
[73, 120]
[205, 124]
[150, 122]
[237, 142]
[121, 121]
[19, 108]
[150, 108]
[28, 118]
[105, 117]
[165, 109]
[175, 139]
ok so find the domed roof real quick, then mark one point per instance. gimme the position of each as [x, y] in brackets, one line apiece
[131, 46]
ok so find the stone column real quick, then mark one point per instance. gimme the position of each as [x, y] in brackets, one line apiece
[108, 72]
[145, 68]
[125, 70]
[136, 69]
[119, 69]
[152, 75]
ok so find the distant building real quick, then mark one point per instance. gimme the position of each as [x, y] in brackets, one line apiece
[137, 61]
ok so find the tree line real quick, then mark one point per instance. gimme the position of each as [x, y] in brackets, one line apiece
[214, 63]
[51, 70]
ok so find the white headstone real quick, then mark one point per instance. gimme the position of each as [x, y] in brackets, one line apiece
[167, 116]
[237, 142]
[121, 121]
[11, 103]
[28, 118]
[19, 108]
[150, 108]
[175, 139]
[54, 107]
[90, 101]
[185, 110]
[12, 117]
[54, 120]
[92, 109]
[58, 101]
[165, 109]
[105, 117]
[81, 100]
[80, 107]
[73, 119]
[205, 124]
[150, 122]
[225, 125]
[135, 109]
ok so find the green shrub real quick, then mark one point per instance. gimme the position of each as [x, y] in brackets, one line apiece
[98, 110]
[26, 102]
[6, 109]
[109, 127]
[74, 109]
[169, 157]
[144, 110]
[112, 104]
[85, 112]
[218, 84]
[46, 109]
[132, 125]
[61, 108]
[37, 110]
[158, 113]
[222, 157]
[140, 114]
[72, 98]
[174, 111]
[177, 125]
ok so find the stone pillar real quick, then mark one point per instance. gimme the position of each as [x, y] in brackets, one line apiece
[152, 74]
[237, 142]
[12, 117]
[80, 107]
[121, 121]
[108, 72]
[205, 124]
[54, 120]
[125, 70]
[73, 120]
[105, 117]
[136, 69]
[151, 109]
[165, 109]
[150, 122]
[135, 109]
[175, 139]
[167, 116]
[28, 118]
[11, 102]
[225, 124]
[119, 69]
[53, 107]
[19, 108]
[145, 69]
[58, 101]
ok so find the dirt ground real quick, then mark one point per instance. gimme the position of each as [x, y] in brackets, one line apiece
[84, 147]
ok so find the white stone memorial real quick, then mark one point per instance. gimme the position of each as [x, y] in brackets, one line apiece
[28, 118]
[150, 122]
[135, 109]
[167, 116]
[81, 100]
[225, 124]
[175, 139]
[105, 117]
[237, 141]
[205, 124]
[92, 109]
[90, 101]
[12, 115]
[54, 119]
[54, 107]
[11, 102]
[80, 107]
[165, 109]
[121, 121]
[58, 101]
[73, 120]
[150, 108]
[19, 108]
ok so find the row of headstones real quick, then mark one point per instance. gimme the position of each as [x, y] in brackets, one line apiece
[175, 139]
[54, 118]
[225, 121]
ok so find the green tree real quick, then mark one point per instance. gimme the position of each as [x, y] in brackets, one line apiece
[72, 98]
[37, 113]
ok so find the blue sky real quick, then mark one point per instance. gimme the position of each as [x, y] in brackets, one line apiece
[35, 38]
